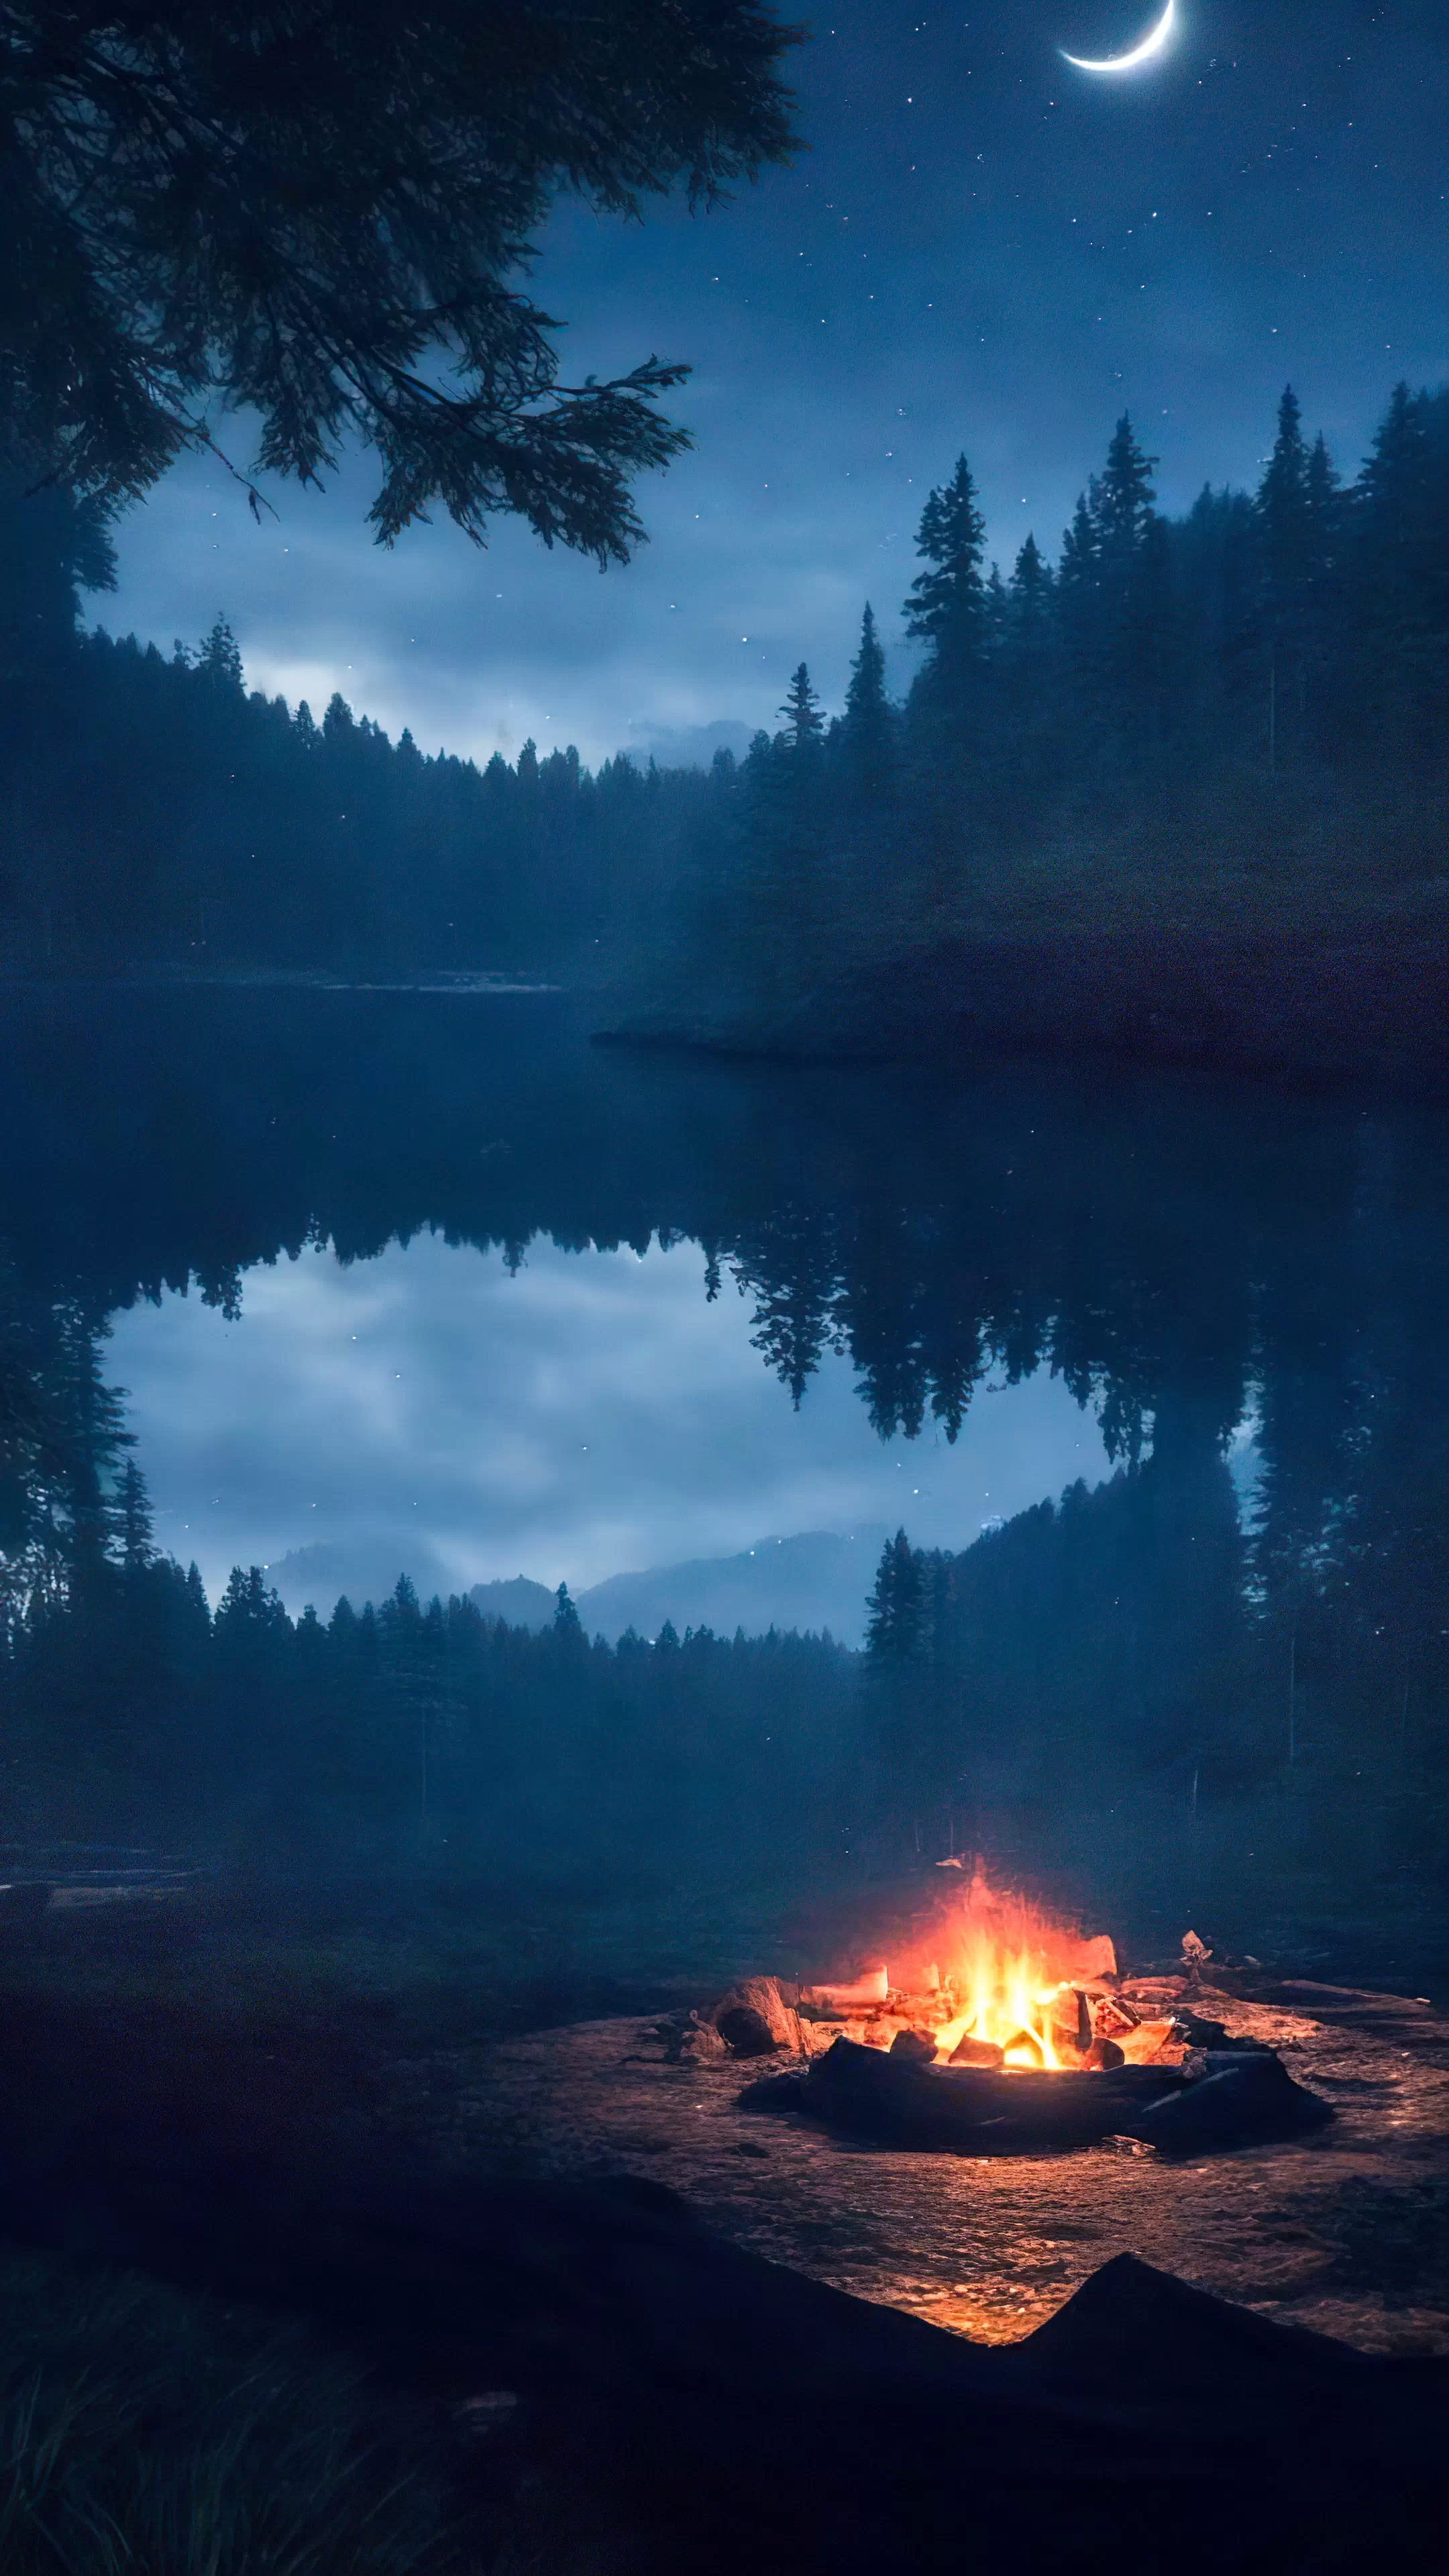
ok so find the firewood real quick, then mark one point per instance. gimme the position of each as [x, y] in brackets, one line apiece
[1239, 2101]
[745, 2031]
[978, 2052]
[756, 2020]
[1112, 2014]
[1151, 2043]
[870, 1989]
[916, 2046]
[974, 2110]
[1104, 2055]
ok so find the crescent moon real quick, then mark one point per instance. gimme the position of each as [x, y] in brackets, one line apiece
[1151, 44]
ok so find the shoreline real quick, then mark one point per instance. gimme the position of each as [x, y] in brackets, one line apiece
[1325, 1010]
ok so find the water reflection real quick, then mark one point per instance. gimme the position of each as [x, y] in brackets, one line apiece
[433, 1411]
[1181, 1260]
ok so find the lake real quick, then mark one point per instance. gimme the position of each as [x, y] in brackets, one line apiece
[428, 1283]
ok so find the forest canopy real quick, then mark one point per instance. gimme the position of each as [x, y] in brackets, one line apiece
[323, 213]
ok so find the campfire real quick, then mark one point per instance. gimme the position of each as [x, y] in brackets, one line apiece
[1009, 2032]
[1004, 1986]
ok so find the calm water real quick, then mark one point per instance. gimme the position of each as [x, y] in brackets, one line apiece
[429, 1282]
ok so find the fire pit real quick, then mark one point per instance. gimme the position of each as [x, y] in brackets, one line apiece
[1009, 2035]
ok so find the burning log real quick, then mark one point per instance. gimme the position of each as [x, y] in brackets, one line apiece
[917, 2047]
[971, 2110]
[1078, 2030]
[1025, 2042]
[701, 2045]
[745, 2031]
[1112, 2015]
[901, 2101]
[1105, 2054]
[1147, 2043]
[978, 2052]
[867, 1990]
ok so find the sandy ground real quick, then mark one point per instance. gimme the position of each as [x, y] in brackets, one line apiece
[1347, 2231]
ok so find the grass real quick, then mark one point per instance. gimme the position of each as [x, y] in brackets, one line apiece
[143, 2433]
[306, 2025]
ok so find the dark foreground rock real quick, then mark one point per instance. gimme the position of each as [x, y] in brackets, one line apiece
[727, 2411]
[650, 2397]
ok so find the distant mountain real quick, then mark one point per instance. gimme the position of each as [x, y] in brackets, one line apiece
[365, 1570]
[818, 1580]
[520, 1601]
[685, 746]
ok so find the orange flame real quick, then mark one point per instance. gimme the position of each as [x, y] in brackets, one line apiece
[1009, 1968]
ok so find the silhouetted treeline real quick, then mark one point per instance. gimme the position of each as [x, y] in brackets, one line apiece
[1305, 624]
[1151, 1644]
[413, 1732]
[154, 809]
[1232, 722]
[1267, 677]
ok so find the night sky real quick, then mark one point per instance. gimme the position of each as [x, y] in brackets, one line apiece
[981, 249]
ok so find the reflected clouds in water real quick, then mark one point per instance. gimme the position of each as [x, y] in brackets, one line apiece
[591, 1414]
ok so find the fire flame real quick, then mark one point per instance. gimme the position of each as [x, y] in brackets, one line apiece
[999, 1972]
[1014, 1973]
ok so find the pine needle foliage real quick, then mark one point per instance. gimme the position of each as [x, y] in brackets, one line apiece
[323, 211]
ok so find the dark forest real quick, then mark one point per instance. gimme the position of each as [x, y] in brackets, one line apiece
[1232, 718]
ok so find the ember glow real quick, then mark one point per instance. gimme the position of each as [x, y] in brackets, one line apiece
[1022, 1982]
[1002, 1983]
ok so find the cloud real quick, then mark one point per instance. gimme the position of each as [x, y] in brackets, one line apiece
[592, 1415]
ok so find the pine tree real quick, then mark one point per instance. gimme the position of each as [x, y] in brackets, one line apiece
[325, 217]
[1324, 507]
[894, 1630]
[1392, 481]
[1029, 600]
[1285, 537]
[993, 628]
[1078, 591]
[867, 732]
[1399, 545]
[1123, 499]
[1125, 631]
[1026, 654]
[566, 1623]
[1283, 508]
[805, 724]
[94, 1436]
[1326, 548]
[249, 1609]
[134, 1518]
[946, 607]
[220, 658]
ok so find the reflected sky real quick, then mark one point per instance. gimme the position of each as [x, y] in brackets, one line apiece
[591, 1415]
